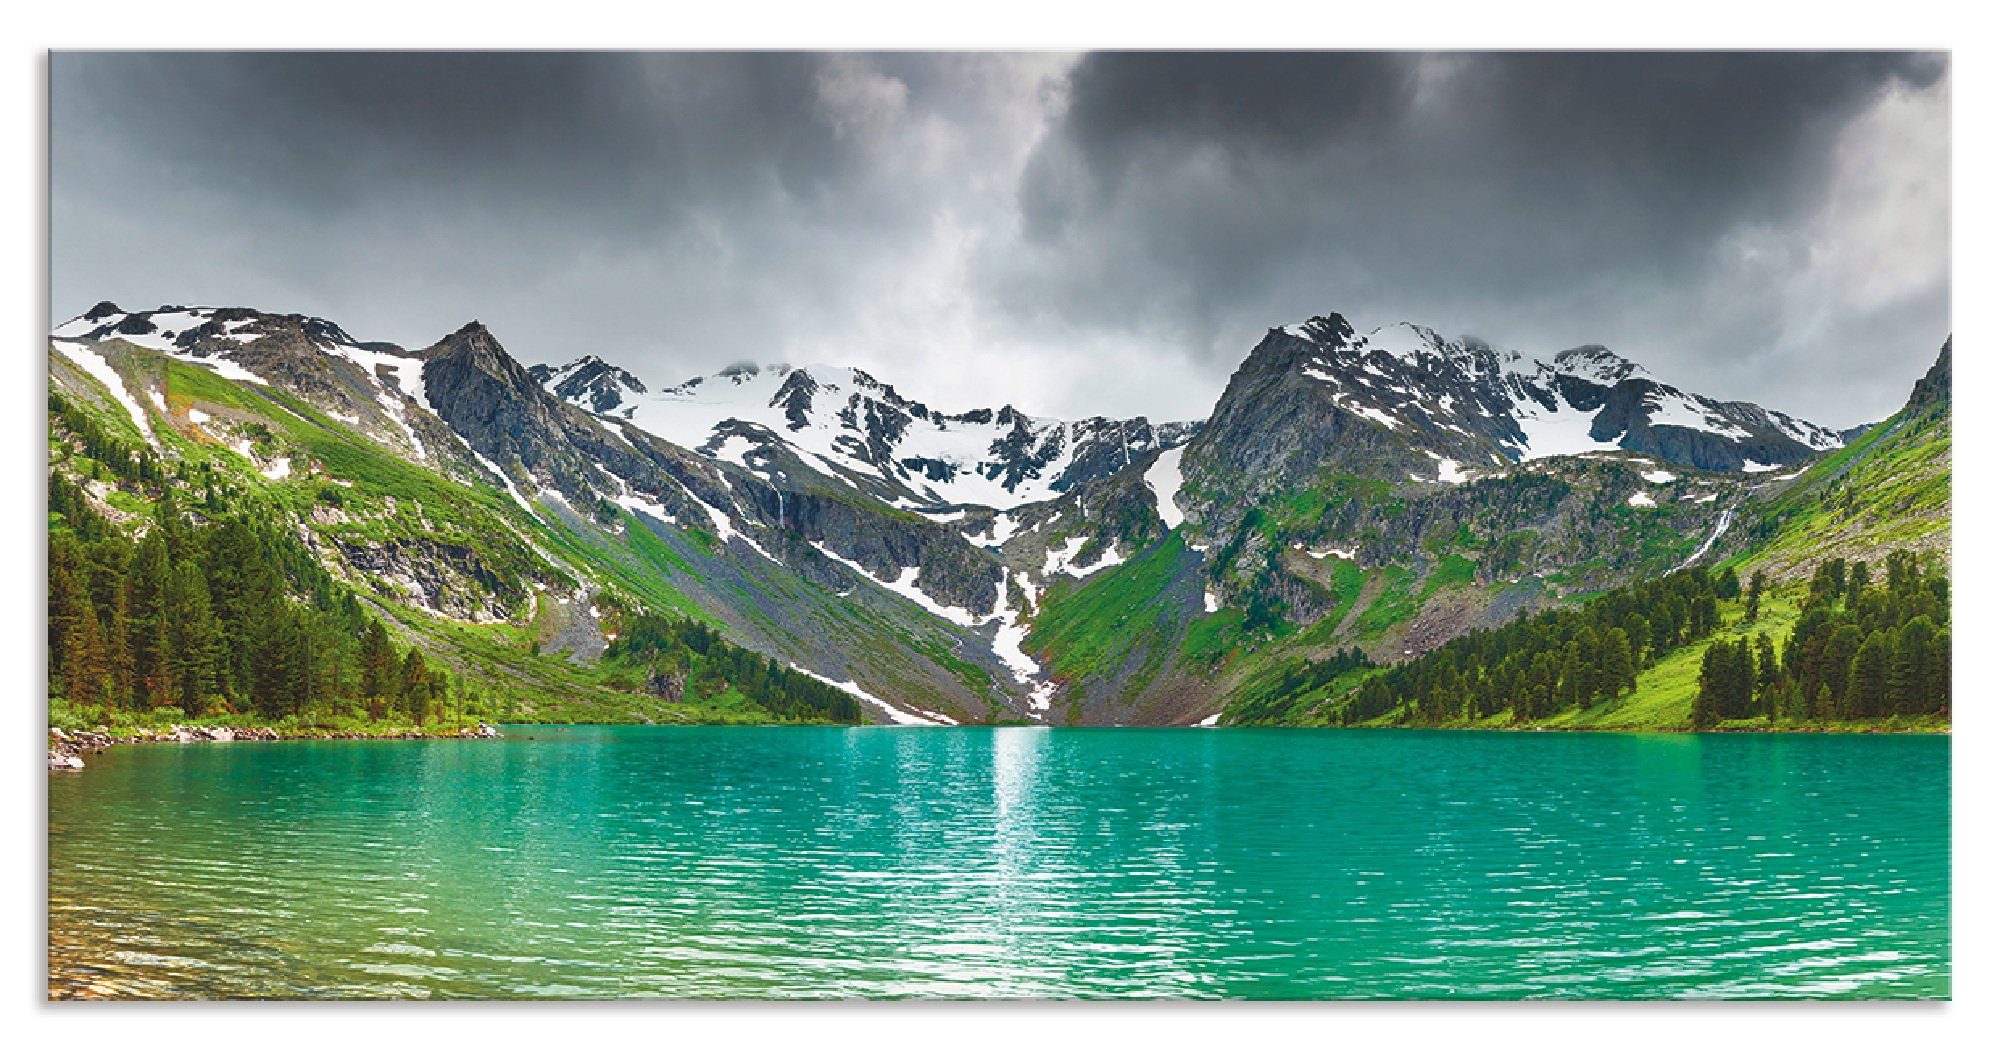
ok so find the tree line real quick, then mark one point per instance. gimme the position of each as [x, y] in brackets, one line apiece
[1563, 658]
[1289, 693]
[228, 616]
[202, 608]
[706, 666]
[1860, 649]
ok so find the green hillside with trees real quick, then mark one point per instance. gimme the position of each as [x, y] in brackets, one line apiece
[179, 598]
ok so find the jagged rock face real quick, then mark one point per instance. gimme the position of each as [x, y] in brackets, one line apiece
[1935, 386]
[591, 384]
[504, 415]
[376, 385]
[821, 511]
[449, 580]
[1404, 402]
[846, 424]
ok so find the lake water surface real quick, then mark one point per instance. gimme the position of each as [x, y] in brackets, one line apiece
[1011, 862]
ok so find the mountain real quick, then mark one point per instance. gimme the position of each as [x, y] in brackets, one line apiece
[1889, 489]
[1403, 401]
[590, 383]
[1935, 387]
[1843, 566]
[852, 427]
[1382, 492]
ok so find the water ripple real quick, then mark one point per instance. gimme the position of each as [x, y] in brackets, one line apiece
[1006, 863]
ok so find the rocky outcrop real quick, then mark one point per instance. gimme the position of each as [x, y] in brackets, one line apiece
[670, 687]
[66, 749]
[1320, 398]
[444, 578]
[1935, 386]
[498, 408]
[591, 384]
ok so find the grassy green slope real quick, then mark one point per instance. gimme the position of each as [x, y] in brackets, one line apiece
[1888, 490]
[344, 488]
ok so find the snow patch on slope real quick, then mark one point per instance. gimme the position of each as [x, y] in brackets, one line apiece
[100, 369]
[504, 479]
[1561, 430]
[1062, 559]
[905, 586]
[1678, 409]
[223, 367]
[1164, 478]
[896, 715]
[405, 378]
[1721, 526]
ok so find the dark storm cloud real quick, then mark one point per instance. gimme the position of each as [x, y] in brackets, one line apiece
[1543, 199]
[1772, 226]
[658, 208]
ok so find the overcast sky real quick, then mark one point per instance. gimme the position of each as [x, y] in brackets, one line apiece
[1107, 233]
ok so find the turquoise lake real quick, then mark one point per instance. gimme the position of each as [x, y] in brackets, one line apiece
[1013, 862]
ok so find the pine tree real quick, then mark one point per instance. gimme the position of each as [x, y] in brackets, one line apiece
[1743, 680]
[191, 637]
[88, 665]
[146, 621]
[274, 652]
[413, 685]
[1754, 600]
[1768, 672]
[1829, 582]
[377, 662]
[1907, 664]
[77, 661]
[1617, 672]
[1867, 692]
[1707, 699]
[1836, 661]
[1576, 682]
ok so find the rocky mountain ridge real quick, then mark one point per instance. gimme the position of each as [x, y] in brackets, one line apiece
[1387, 490]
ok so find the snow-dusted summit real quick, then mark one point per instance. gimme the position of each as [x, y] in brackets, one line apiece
[376, 385]
[1466, 401]
[590, 383]
[853, 427]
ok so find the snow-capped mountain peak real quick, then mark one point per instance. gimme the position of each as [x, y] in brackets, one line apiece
[1464, 400]
[591, 383]
[1597, 364]
[853, 427]
[359, 382]
[1331, 331]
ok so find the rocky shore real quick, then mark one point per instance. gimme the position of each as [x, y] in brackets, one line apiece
[66, 749]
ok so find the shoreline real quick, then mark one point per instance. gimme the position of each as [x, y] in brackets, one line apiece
[1849, 729]
[66, 749]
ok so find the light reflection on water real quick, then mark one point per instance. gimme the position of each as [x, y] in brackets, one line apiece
[598, 862]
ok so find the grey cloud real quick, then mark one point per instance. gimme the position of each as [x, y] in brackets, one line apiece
[1109, 233]
[1542, 199]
